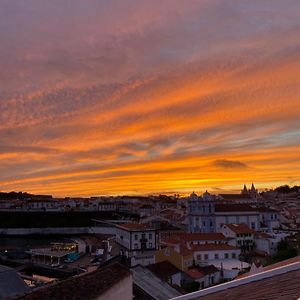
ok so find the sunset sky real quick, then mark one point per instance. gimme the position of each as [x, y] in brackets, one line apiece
[136, 97]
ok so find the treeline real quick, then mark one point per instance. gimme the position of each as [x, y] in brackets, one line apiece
[21, 196]
[285, 189]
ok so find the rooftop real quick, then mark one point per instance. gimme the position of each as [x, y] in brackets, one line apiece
[280, 283]
[134, 227]
[235, 208]
[240, 228]
[212, 246]
[163, 270]
[86, 286]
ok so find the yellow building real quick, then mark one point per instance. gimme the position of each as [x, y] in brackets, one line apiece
[179, 255]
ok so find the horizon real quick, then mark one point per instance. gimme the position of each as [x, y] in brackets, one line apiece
[140, 97]
[199, 192]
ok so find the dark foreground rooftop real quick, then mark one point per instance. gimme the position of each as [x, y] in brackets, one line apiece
[86, 286]
[281, 283]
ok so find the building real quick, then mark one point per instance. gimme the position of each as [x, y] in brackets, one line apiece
[242, 234]
[196, 238]
[179, 255]
[206, 214]
[137, 243]
[208, 253]
[167, 272]
[266, 243]
[206, 275]
[269, 218]
[112, 282]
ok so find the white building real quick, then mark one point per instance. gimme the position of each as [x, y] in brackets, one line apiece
[205, 214]
[241, 233]
[137, 242]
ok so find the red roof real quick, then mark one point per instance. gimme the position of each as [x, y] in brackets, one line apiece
[212, 247]
[240, 228]
[133, 227]
[234, 208]
[213, 236]
[194, 273]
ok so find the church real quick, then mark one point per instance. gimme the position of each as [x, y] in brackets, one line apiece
[207, 213]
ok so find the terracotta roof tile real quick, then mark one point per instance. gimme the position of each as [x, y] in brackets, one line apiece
[212, 247]
[240, 228]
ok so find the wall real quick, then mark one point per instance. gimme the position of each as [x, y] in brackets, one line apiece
[57, 230]
[120, 291]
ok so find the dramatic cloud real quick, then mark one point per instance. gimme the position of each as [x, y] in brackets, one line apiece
[108, 97]
[229, 164]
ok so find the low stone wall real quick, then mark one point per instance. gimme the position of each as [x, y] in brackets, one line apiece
[57, 230]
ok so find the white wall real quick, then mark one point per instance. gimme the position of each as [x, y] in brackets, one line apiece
[120, 291]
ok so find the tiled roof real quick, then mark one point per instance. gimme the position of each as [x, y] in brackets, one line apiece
[206, 270]
[86, 286]
[133, 226]
[212, 247]
[281, 287]
[185, 251]
[235, 196]
[240, 228]
[194, 273]
[213, 236]
[190, 237]
[234, 208]
[263, 235]
[163, 270]
[267, 209]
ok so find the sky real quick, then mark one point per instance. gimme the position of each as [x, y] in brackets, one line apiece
[102, 97]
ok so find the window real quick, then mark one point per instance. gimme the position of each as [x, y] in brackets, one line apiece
[253, 225]
[233, 255]
[216, 256]
[150, 236]
[136, 246]
[226, 255]
[211, 223]
[167, 252]
[135, 237]
[204, 223]
[205, 256]
[199, 257]
[143, 235]
[150, 245]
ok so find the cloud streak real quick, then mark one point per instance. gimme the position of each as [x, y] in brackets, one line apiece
[101, 97]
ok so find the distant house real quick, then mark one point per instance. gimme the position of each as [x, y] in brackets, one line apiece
[137, 243]
[208, 253]
[167, 272]
[266, 243]
[241, 233]
[179, 255]
[206, 276]
[269, 218]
